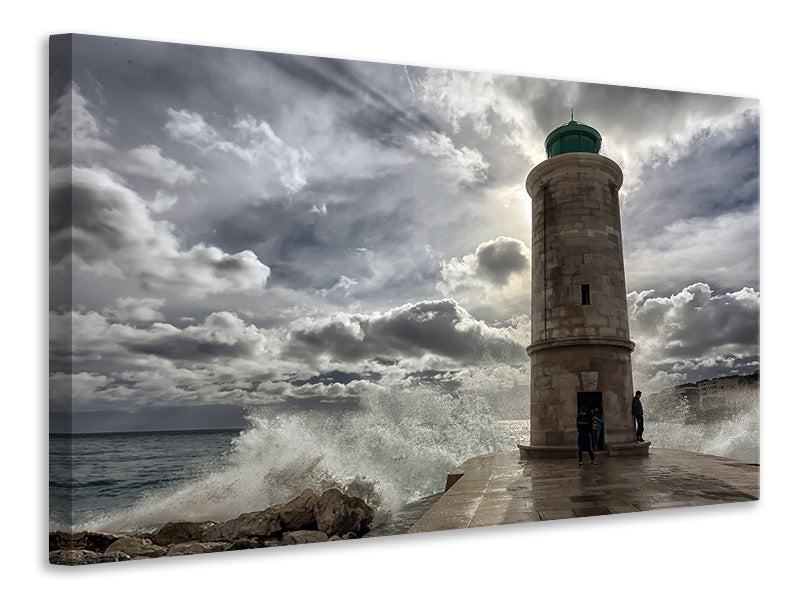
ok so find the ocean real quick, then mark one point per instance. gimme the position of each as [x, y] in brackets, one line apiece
[139, 481]
[113, 472]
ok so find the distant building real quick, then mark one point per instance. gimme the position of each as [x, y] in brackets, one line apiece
[722, 387]
[704, 400]
[689, 392]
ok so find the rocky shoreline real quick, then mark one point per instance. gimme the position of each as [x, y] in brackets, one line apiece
[306, 519]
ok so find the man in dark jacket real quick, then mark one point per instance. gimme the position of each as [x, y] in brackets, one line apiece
[638, 415]
[584, 425]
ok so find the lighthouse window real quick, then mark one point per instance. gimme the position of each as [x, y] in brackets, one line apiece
[585, 293]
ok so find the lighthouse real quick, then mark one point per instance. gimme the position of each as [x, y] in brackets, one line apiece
[580, 341]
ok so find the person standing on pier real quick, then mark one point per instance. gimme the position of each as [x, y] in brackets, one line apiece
[584, 425]
[597, 427]
[638, 415]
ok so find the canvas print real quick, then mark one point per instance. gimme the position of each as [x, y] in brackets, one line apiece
[297, 299]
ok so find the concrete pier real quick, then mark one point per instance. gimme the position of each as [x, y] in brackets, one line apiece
[500, 489]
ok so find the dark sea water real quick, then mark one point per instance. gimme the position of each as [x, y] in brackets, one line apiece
[110, 472]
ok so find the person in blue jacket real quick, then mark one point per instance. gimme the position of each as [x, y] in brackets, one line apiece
[584, 425]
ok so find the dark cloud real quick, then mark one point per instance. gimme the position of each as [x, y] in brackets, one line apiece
[318, 75]
[696, 318]
[179, 348]
[716, 172]
[696, 215]
[693, 334]
[336, 376]
[166, 417]
[357, 234]
[438, 327]
[502, 257]
[223, 336]
[379, 115]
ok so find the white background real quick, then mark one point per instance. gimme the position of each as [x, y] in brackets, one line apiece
[726, 551]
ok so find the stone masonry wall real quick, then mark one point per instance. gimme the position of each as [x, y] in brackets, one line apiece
[558, 374]
[576, 241]
[578, 347]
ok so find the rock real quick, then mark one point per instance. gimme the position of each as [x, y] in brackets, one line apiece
[84, 557]
[177, 532]
[334, 515]
[70, 557]
[94, 541]
[259, 524]
[299, 513]
[245, 544]
[197, 548]
[338, 514]
[303, 537]
[137, 547]
[112, 557]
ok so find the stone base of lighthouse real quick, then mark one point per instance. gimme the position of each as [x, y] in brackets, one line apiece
[568, 373]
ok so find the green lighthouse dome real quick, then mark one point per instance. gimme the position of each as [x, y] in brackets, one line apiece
[573, 137]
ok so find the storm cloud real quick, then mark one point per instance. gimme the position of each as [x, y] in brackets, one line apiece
[261, 228]
[438, 327]
[692, 333]
[98, 220]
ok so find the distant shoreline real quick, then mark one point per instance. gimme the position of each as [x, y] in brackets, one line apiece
[146, 432]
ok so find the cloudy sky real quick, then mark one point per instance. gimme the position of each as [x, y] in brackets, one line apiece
[251, 228]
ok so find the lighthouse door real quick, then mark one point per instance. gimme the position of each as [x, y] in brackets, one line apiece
[592, 401]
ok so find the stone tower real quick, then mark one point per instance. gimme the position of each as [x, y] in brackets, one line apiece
[580, 344]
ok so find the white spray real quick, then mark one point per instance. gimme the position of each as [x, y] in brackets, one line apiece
[395, 448]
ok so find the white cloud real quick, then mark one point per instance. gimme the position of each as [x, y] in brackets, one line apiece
[136, 309]
[478, 99]
[693, 334]
[493, 282]
[73, 391]
[74, 130]
[249, 139]
[162, 201]
[342, 286]
[462, 166]
[458, 95]
[225, 360]
[191, 128]
[147, 161]
[720, 248]
[77, 138]
[103, 222]
[220, 360]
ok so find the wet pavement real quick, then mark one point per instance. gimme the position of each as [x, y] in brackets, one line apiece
[497, 489]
